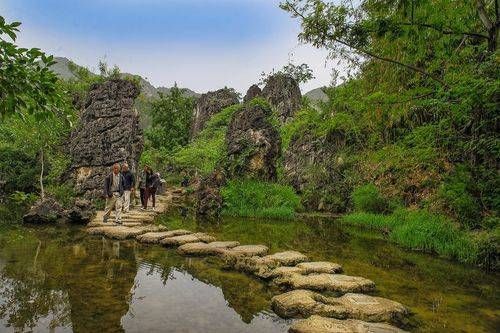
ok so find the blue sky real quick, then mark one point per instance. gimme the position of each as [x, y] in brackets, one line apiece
[201, 44]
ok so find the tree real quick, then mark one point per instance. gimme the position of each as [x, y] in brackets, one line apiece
[301, 73]
[26, 81]
[171, 120]
[350, 31]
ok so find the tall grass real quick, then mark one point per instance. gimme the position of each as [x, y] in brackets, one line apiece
[421, 230]
[250, 198]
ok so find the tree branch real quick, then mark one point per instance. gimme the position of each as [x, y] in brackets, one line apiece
[443, 31]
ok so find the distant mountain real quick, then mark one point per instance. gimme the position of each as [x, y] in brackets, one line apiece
[317, 95]
[62, 68]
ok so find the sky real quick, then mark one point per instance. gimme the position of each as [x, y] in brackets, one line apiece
[200, 44]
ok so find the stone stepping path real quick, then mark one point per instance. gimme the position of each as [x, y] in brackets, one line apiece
[353, 312]
[318, 324]
[304, 303]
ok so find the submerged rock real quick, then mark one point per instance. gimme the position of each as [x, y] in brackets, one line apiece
[155, 237]
[204, 249]
[209, 104]
[283, 92]
[325, 282]
[190, 238]
[45, 211]
[252, 92]
[253, 144]
[108, 132]
[318, 324]
[263, 266]
[304, 303]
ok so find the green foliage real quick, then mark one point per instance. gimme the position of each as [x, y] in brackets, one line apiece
[456, 192]
[26, 82]
[420, 230]
[171, 117]
[206, 151]
[250, 198]
[367, 198]
[301, 73]
[18, 170]
[64, 193]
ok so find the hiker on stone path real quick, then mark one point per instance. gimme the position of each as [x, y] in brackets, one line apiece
[128, 186]
[113, 191]
[146, 180]
[155, 182]
[142, 185]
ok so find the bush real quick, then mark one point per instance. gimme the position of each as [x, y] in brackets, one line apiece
[367, 198]
[18, 170]
[250, 198]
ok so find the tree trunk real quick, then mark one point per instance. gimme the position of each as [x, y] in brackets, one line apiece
[42, 191]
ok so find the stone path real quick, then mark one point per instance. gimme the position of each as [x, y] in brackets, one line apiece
[302, 280]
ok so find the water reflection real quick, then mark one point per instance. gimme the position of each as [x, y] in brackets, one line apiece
[50, 282]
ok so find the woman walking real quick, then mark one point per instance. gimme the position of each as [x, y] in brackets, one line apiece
[143, 186]
[155, 182]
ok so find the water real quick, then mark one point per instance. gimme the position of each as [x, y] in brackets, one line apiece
[59, 279]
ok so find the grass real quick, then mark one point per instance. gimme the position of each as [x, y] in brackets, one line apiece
[250, 198]
[423, 231]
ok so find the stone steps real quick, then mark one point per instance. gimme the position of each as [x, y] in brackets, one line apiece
[291, 270]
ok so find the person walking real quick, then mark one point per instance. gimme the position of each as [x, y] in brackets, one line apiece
[155, 183]
[113, 192]
[128, 186]
[147, 178]
[142, 185]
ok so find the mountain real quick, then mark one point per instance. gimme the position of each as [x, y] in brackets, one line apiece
[63, 67]
[317, 95]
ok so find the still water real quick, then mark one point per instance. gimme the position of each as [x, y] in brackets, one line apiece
[58, 279]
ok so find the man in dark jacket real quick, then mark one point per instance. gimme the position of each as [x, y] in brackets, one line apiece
[128, 186]
[113, 191]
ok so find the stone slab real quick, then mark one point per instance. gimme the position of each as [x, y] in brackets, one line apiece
[184, 239]
[205, 249]
[155, 237]
[325, 282]
[304, 303]
[262, 266]
[318, 324]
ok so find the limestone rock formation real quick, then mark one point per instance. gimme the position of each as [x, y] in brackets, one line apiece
[283, 92]
[208, 198]
[108, 132]
[81, 212]
[45, 211]
[252, 92]
[318, 324]
[209, 104]
[253, 144]
[304, 303]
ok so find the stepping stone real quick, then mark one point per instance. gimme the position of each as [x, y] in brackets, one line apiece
[202, 249]
[325, 282]
[263, 266]
[317, 324]
[155, 237]
[305, 268]
[304, 303]
[184, 239]
[122, 232]
[230, 255]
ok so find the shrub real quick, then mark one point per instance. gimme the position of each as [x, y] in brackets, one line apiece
[367, 198]
[18, 170]
[251, 198]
